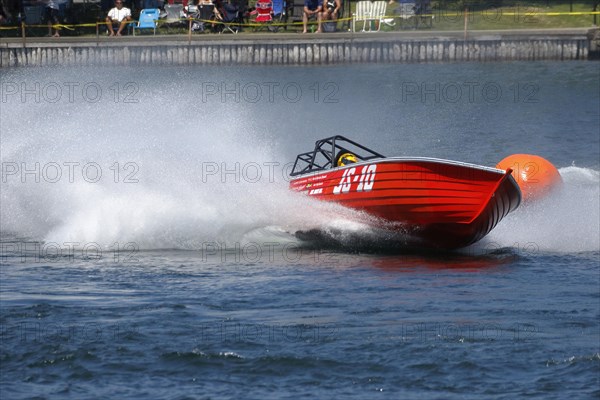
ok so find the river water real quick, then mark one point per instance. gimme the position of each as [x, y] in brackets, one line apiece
[148, 246]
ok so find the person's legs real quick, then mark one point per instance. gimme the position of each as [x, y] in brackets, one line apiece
[52, 19]
[329, 16]
[109, 24]
[123, 24]
[55, 21]
[304, 21]
[319, 23]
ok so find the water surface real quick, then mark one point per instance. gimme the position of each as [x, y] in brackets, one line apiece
[175, 272]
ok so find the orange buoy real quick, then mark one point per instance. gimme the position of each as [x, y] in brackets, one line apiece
[535, 175]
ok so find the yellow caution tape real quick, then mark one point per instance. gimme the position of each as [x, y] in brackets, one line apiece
[502, 13]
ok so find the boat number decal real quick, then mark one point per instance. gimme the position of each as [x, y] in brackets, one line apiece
[366, 179]
[345, 182]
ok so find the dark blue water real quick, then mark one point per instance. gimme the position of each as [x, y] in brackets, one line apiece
[175, 273]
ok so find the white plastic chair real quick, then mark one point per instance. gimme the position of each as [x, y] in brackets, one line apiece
[368, 11]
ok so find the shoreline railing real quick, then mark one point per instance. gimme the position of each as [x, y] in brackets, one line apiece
[394, 21]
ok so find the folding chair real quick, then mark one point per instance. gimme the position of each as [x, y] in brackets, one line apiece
[423, 14]
[378, 9]
[148, 20]
[230, 18]
[367, 12]
[297, 10]
[34, 15]
[174, 14]
[279, 14]
[406, 11]
[202, 14]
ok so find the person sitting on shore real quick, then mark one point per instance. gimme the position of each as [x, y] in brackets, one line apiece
[52, 17]
[4, 13]
[312, 8]
[331, 10]
[118, 15]
[216, 5]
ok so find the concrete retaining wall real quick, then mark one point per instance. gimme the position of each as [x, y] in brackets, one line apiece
[394, 49]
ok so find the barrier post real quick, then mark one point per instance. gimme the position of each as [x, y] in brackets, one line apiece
[23, 35]
[466, 20]
[189, 31]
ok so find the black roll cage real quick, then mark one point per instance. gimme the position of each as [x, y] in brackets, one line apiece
[325, 154]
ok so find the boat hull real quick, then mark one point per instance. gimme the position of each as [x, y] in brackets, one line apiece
[438, 203]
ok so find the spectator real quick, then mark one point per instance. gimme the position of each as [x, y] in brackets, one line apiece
[9, 9]
[118, 15]
[4, 13]
[52, 17]
[311, 8]
[218, 9]
[332, 9]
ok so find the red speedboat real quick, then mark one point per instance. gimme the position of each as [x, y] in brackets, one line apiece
[438, 203]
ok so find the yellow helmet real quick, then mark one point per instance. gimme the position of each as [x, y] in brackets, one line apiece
[346, 158]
